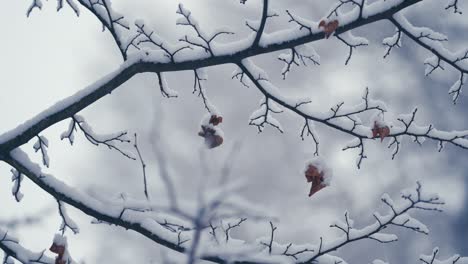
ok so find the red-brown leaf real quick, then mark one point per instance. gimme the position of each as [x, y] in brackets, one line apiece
[57, 249]
[314, 176]
[215, 120]
[329, 28]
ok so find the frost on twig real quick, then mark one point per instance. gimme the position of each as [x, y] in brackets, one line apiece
[392, 42]
[78, 122]
[352, 42]
[199, 76]
[150, 37]
[14, 250]
[302, 23]
[297, 56]
[342, 117]
[196, 230]
[166, 91]
[308, 130]
[109, 18]
[203, 40]
[263, 116]
[432, 41]
[336, 9]
[42, 144]
[432, 259]
[16, 178]
[67, 222]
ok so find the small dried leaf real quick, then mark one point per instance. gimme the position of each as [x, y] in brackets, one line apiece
[329, 27]
[57, 249]
[315, 176]
[215, 120]
[382, 132]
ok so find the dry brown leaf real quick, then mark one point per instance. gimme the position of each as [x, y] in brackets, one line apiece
[380, 131]
[314, 176]
[329, 27]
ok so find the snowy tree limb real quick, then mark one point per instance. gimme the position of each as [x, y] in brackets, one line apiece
[12, 248]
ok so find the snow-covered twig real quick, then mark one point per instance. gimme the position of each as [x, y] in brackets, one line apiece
[82, 99]
[206, 40]
[13, 249]
[342, 119]
[78, 122]
[16, 178]
[352, 42]
[144, 36]
[67, 222]
[199, 75]
[110, 20]
[42, 144]
[432, 259]
[297, 55]
[392, 42]
[430, 40]
[175, 235]
[262, 116]
[336, 9]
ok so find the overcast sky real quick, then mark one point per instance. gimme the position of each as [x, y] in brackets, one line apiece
[51, 55]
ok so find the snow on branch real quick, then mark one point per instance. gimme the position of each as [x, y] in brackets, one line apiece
[352, 42]
[281, 40]
[78, 122]
[166, 91]
[150, 37]
[143, 217]
[262, 116]
[295, 56]
[17, 178]
[432, 259]
[302, 23]
[200, 75]
[196, 231]
[309, 130]
[203, 39]
[13, 249]
[67, 222]
[398, 216]
[431, 40]
[392, 42]
[110, 19]
[335, 10]
[345, 119]
[42, 144]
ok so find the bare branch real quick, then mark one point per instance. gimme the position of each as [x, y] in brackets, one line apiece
[143, 166]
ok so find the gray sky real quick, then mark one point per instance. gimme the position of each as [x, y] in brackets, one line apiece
[52, 55]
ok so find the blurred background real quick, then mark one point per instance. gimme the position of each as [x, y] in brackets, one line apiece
[51, 55]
